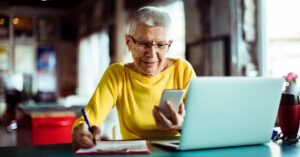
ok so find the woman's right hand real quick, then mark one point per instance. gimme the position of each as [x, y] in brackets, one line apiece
[83, 138]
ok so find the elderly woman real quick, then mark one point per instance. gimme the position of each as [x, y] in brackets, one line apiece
[135, 88]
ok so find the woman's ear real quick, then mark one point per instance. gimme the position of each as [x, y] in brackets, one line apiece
[127, 38]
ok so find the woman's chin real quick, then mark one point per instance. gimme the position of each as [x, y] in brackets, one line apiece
[149, 72]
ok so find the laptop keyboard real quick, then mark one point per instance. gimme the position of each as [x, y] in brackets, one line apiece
[176, 143]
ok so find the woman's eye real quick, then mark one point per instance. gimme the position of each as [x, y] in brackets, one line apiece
[143, 44]
[161, 46]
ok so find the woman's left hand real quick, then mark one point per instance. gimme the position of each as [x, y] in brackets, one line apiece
[174, 122]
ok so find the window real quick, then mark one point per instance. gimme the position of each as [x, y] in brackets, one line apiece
[283, 35]
[93, 60]
[176, 11]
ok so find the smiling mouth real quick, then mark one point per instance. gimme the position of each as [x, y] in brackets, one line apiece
[149, 63]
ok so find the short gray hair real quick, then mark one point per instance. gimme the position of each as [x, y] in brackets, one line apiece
[150, 16]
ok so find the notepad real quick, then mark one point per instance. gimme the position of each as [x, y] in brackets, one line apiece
[117, 147]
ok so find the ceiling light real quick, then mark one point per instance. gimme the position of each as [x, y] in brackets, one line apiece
[2, 20]
[16, 21]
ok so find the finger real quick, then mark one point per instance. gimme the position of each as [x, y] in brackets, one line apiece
[170, 106]
[96, 132]
[82, 134]
[157, 122]
[81, 130]
[84, 131]
[155, 115]
[165, 122]
[83, 139]
[154, 112]
[181, 110]
[174, 116]
[160, 122]
[86, 142]
[83, 127]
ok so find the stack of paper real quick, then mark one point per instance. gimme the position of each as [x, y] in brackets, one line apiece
[117, 147]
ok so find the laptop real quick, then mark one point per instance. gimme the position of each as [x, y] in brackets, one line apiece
[228, 111]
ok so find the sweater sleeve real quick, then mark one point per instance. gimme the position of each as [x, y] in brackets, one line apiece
[104, 97]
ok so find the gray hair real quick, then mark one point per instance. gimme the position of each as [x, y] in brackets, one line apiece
[150, 16]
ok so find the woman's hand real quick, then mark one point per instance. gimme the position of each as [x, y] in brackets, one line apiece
[176, 120]
[83, 138]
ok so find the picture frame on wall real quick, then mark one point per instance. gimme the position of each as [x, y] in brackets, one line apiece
[46, 67]
[46, 59]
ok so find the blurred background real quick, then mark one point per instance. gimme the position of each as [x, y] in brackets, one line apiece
[54, 52]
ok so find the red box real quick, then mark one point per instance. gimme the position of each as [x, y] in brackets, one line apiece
[54, 129]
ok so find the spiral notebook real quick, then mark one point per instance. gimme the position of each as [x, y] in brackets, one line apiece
[117, 147]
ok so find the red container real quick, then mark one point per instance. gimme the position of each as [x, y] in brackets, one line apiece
[289, 119]
[289, 115]
[52, 129]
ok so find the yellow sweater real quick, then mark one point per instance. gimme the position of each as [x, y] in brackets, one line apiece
[135, 95]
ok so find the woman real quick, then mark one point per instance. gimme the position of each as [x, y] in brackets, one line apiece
[135, 88]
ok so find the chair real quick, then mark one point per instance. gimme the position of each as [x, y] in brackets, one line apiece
[12, 98]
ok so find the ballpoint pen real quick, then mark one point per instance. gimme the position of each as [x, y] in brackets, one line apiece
[88, 123]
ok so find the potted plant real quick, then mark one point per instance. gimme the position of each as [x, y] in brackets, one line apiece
[291, 80]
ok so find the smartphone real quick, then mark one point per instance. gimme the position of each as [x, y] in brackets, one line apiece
[173, 95]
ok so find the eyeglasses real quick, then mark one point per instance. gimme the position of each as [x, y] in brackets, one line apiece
[145, 46]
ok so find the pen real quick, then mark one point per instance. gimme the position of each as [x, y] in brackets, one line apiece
[88, 123]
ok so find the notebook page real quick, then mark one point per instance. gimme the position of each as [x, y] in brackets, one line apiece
[117, 146]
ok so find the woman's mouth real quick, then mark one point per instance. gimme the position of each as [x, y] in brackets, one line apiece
[149, 63]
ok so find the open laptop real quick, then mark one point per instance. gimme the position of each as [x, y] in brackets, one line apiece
[228, 111]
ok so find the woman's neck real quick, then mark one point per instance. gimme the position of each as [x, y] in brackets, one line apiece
[167, 63]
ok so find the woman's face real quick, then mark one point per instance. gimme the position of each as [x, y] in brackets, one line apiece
[148, 46]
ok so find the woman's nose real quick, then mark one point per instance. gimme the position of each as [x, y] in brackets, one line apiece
[151, 51]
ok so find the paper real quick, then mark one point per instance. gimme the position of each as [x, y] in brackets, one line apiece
[117, 147]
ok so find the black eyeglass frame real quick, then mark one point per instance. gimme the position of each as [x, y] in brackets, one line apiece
[149, 46]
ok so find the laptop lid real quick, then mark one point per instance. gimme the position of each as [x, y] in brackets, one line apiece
[230, 111]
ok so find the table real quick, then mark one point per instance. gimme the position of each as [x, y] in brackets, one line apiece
[65, 150]
[38, 119]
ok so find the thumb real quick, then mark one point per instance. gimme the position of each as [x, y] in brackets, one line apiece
[181, 110]
[95, 131]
